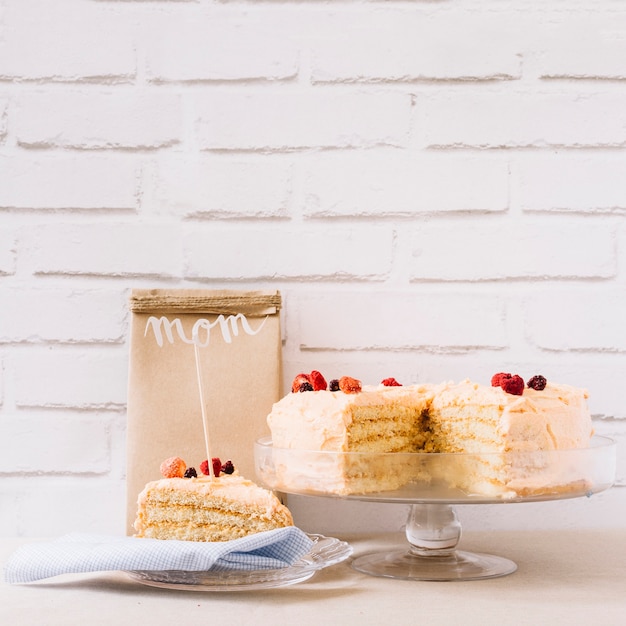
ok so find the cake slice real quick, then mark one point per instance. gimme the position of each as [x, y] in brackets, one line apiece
[210, 508]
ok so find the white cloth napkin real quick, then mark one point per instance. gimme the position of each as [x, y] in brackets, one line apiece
[80, 553]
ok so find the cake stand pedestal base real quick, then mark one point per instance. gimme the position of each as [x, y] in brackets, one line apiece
[433, 532]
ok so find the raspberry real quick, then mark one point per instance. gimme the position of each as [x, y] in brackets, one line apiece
[190, 472]
[513, 385]
[298, 380]
[333, 385]
[391, 382]
[497, 379]
[217, 466]
[537, 382]
[228, 467]
[305, 387]
[318, 381]
[174, 467]
[349, 385]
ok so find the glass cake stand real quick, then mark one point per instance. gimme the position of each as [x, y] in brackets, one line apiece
[432, 483]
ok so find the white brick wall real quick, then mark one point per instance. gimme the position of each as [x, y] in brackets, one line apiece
[436, 188]
[88, 119]
[47, 181]
[83, 42]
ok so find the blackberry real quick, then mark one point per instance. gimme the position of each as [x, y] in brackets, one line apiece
[537, 382]
[228, 467]
[333, 385]
[305, 387]
[190, 472]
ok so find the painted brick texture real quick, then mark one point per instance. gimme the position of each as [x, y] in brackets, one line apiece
[68, 182]
[102, 119]
[294, 121]
[78, 47]
[436, 188]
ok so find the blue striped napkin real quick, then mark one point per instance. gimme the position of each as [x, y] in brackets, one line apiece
[80, 553]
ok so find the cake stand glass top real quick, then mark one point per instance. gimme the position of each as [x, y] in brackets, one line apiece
[431, 478]
[431, 483]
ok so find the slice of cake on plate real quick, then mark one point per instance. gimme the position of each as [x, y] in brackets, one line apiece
[218, 506]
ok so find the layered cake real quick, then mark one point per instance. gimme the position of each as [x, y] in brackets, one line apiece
[387, 418]
[219, 505]
[496, 440]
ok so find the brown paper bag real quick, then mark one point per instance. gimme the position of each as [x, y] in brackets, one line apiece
[236, 336]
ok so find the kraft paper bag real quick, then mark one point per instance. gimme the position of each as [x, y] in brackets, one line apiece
[231, 342]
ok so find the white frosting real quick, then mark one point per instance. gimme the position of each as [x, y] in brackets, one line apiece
[226, 487]
[319, 420]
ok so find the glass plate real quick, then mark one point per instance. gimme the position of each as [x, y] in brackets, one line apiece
[326, 551]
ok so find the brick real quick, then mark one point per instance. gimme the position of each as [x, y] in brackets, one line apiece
[392, 183]
[224, 187]
[587, 46]
[572, 182]
[215, 44]
[62, 376]
[281, 253]
[293, 120]
[59, 181]
[139, 119]
[30, 450]
[478, 250]
[106, 249]
[38, 44]
[86, 503]
[521, 119]
[357, 321]
[8, 249]
[586, 320]
[62, 315]
[414, 44]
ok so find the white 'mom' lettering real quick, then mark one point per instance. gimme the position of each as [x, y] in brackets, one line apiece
[201, 331]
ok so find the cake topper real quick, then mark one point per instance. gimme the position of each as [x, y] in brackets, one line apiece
[205, 424]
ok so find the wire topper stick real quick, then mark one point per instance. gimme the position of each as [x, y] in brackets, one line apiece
[205, 424]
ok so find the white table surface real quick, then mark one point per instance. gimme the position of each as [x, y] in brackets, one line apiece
[567, 577]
